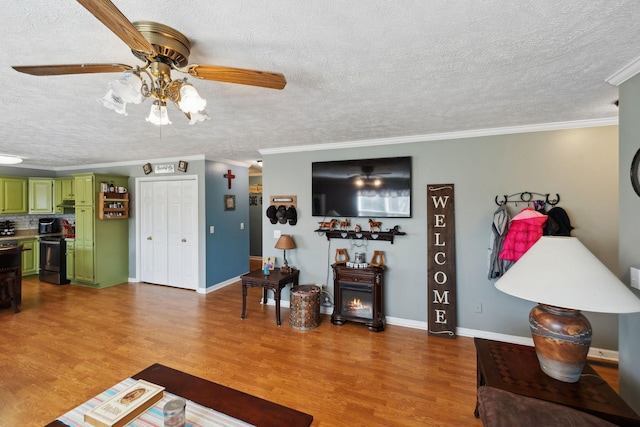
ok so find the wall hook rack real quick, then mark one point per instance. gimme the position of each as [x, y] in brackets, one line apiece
[526, 197]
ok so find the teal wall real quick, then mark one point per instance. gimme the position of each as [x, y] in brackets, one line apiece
[228, 247]
[629, 369]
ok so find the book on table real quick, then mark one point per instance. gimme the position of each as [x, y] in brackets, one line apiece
[124, 406]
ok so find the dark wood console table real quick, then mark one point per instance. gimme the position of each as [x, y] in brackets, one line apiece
[276, 280]
[515, 368]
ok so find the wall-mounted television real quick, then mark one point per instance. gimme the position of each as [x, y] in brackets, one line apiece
[362, 188]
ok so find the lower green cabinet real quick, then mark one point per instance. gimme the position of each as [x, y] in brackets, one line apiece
[71, 258]
[30, 256]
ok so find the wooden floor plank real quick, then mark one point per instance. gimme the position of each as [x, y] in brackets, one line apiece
[69, 343]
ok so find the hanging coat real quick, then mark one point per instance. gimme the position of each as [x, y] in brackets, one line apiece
[525, 229]
[499, 228]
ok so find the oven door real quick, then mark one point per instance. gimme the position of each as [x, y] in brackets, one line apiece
[51, 252]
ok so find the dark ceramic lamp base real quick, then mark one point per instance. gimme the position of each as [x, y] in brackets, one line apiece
[562, 338]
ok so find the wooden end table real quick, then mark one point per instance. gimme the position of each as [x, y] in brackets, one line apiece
[515, 368]
[276, 280]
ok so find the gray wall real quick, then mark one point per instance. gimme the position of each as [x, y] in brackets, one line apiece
[629, 370]
[581, 165]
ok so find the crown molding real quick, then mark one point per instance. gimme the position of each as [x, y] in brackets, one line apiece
[624, 73]
[612, 121]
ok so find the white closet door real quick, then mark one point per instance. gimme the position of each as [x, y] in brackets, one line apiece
[182, 239]
[168, 238]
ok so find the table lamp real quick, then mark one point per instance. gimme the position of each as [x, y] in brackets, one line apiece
[285, 242]
[564, 277]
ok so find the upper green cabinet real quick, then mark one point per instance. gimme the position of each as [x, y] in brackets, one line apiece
[13, 195]
[40, 195]
[84, 191]
[63, 195]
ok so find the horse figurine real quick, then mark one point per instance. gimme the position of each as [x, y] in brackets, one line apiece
[344, 225]
[375, 224]
[328, 224]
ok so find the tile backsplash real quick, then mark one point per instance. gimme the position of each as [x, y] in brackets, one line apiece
[30, 222]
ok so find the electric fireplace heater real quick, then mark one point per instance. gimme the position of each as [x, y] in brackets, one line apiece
[358, 296]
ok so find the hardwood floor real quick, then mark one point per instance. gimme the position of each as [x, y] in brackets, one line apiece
[69, 343]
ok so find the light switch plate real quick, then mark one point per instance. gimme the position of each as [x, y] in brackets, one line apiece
[635, 278]
[276, 234]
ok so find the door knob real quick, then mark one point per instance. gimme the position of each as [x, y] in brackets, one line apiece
[149, 238]
[184, 240]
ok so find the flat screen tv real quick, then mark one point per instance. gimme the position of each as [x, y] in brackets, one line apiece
[364, 188]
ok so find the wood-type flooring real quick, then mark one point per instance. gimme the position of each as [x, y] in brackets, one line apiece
[70, 343]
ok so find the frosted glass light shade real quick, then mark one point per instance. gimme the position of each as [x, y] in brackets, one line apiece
[9, 160]
[190, 100]
[158, 114]
[198, 116]
[562, 272]
[128, 87]
[114, 102]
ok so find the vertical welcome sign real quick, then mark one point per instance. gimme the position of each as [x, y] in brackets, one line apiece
[441, 265]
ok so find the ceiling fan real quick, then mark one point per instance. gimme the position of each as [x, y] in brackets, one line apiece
[163, 49]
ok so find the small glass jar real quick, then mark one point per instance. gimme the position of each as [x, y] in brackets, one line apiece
[174, 413]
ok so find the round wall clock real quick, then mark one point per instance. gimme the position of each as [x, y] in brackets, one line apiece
[635, 179]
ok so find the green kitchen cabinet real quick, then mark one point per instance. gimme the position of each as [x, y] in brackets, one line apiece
[13, 195]
[40, 195]
[101, 252]
[67, 187]
[71, 258]
[84, 187]
[63, 195]
[30, 256]
[84, 266]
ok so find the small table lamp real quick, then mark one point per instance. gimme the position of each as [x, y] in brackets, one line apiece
[563, 277]
[285, 242]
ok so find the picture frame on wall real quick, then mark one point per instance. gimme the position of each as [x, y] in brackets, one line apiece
[146, 168]
[229, 202]
[182, 166]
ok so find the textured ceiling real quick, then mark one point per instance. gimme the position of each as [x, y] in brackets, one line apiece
[356, 70]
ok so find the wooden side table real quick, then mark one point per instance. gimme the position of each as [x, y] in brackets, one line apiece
[275, 281]
[515, 368]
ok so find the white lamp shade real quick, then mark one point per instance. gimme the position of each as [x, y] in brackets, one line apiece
[562, 272]
[114, 102]
[190, 100]
[158, 114]
[128, 87]
[198, 116]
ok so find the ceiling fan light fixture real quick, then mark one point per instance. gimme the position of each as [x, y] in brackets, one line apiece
[114, 102]
[158, 114]
[190, 100]
[128, 87]
[9, 160]
[198, 116]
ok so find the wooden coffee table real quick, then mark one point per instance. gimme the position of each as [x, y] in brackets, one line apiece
[515, 368]
[275, 280]
[234, 403]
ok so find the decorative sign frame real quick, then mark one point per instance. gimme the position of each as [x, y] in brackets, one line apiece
[441, 265]
[165, 168]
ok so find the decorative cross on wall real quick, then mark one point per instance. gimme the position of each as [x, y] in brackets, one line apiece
[229, 177]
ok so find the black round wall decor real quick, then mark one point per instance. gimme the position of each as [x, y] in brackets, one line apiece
[635, 179]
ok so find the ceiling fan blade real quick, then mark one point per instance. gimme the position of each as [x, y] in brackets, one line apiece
[113, 19]
[238, 75]
[54, 70]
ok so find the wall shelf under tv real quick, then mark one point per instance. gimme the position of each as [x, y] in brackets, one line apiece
[385, 236]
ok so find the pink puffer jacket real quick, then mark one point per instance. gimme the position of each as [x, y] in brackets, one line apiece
[525, 229]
